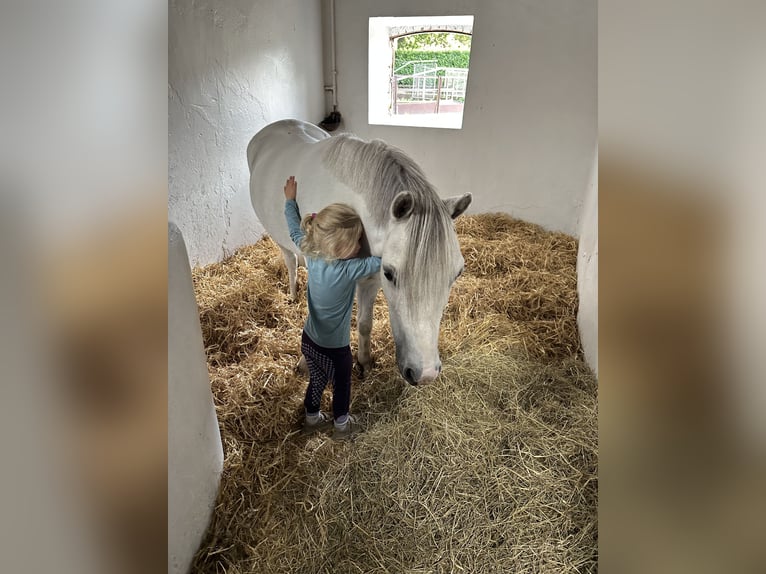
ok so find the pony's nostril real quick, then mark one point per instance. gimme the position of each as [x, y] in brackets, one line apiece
[408, 374]
[438, 368]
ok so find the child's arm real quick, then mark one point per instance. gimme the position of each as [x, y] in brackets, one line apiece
[292, 213]
[358, 268]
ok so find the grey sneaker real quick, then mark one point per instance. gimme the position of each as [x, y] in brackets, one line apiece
[324, 423]
[344, 432]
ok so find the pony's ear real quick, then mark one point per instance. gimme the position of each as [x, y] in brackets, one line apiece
[402, 206]
[458, 204]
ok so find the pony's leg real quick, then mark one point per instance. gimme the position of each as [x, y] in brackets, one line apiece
[291, 260]
[366, 290]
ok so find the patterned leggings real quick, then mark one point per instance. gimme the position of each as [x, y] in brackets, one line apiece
[327, 365]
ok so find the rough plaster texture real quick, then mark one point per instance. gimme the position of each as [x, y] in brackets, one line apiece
[529, 126]
[234, 67]
[195, 453]
[587, 271]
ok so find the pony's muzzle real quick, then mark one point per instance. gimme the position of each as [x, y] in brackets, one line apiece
[420, 376]
[430, 374]
[409, 376]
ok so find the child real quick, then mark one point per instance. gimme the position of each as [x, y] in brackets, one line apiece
[330, 240]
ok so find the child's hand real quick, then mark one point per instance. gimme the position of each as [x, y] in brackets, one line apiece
[291, 188]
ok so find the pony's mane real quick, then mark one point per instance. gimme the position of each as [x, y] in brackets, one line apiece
[378, 172]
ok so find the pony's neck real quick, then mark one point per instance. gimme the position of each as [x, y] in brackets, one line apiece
[373, 231]
[375, 237]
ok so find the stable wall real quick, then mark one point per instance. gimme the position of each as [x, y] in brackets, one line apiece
[529, 125]
[587, 272]
[195, 452]
[234, 67]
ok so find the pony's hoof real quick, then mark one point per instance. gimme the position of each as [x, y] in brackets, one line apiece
[364, 369]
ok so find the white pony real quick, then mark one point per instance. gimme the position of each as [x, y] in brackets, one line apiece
[405, 222]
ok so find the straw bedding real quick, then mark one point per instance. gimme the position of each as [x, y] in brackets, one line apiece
[492, 468]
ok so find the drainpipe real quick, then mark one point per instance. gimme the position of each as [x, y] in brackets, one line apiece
[333, 120]
[334, 87]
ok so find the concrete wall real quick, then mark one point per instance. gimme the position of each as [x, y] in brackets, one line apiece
[234, 67]
[195, 453]
[529, 126]
[587, 271]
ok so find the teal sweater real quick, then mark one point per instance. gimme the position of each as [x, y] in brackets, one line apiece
[330, 289]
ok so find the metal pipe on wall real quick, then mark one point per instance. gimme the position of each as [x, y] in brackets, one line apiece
[334, 87]
[332, 121]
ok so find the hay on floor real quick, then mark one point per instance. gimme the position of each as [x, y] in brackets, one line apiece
[490, 469]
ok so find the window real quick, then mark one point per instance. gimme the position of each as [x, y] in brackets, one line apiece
[418, 70]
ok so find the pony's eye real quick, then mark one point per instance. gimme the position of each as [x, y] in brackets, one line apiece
[389, 275]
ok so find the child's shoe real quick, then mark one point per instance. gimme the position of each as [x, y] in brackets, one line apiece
[347, 429]
[316, 423]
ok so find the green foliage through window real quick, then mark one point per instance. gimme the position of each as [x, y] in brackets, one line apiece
[430, 40]
[445, 59]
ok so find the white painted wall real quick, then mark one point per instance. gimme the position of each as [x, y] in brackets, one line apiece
[529, 125]
[234, 67]
[587, 271]
[195, 453]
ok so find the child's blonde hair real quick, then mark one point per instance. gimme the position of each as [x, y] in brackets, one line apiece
[331, 232]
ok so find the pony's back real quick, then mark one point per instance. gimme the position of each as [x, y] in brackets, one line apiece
[282, 149]
[283, 129]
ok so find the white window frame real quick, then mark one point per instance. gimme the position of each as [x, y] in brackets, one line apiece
[380, 62]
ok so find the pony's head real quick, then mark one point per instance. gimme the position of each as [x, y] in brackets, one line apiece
[421, 260]
[419, 249]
